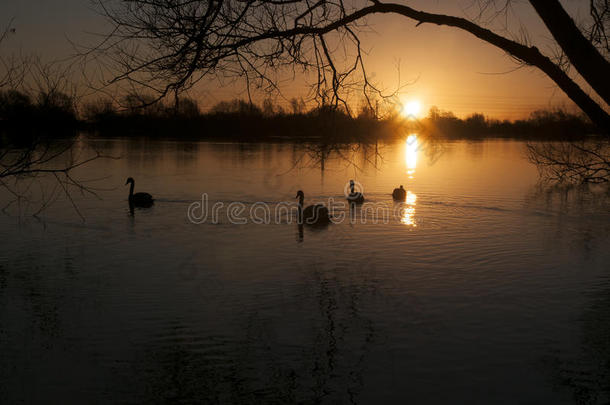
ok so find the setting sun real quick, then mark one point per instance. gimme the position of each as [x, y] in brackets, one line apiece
[332, 202]
[412, 109]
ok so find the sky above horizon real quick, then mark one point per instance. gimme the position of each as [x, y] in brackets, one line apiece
[448, 68]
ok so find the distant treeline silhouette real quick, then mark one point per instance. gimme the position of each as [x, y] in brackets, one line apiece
[236, 119]
[56, 114]
[542, 124]
[50, 113]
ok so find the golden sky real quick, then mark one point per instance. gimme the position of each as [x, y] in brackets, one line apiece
[450, 68]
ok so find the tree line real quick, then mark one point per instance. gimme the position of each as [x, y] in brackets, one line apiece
[57, 113]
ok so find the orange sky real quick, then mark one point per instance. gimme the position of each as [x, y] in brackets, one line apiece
[454, 70]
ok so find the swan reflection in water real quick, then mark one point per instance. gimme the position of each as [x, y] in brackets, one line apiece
[311, 228]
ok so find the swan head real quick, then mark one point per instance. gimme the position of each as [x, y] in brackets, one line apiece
[129, 180]
[300, 194]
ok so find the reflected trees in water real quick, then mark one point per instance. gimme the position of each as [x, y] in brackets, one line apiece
[576, 209]
[584, 161]
[22, 164]
[320, 355]
[587, 373]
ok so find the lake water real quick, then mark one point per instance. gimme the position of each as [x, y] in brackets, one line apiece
[484, 286]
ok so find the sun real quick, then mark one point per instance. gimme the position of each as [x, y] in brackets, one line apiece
[412, 109]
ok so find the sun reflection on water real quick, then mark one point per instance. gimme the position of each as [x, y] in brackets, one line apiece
[411, 154]
[408, 211]
[411, 198]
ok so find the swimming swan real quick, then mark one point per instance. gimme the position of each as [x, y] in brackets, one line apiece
[399, 194]
[354, 197]
[138, 199]
[314, 214]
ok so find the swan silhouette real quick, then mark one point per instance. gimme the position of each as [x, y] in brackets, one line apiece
[399, 193]
[138, 199]
[354, 197]
[313, 214]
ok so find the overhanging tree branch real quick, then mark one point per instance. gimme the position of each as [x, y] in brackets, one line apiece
[529, 55]
[186, 41]
[592, 66]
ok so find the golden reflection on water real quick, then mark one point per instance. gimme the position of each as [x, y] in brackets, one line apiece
[408, 212]
[411, 154]
[411, 198]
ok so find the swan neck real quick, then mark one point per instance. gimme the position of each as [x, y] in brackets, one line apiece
[131, 186]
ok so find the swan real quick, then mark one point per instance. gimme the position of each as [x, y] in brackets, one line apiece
[138, 199]
[313, 214]
[399, 194]
[354, 197]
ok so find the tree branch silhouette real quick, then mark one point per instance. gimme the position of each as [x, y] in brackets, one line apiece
[166, 45]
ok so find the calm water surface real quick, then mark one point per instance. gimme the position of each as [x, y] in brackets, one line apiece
[485, 287]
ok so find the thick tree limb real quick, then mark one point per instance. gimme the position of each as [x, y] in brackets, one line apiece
[529, 55]
[592, 66]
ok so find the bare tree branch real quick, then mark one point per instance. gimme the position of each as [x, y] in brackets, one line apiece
[168, 45]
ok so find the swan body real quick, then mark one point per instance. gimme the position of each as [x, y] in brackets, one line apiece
[138, 199]
[399, 193]
[354, 197]
[313, 214]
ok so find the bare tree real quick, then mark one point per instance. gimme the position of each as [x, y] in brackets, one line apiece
[30, 91]
[13, 68]
[600, 25]
[167, 45]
